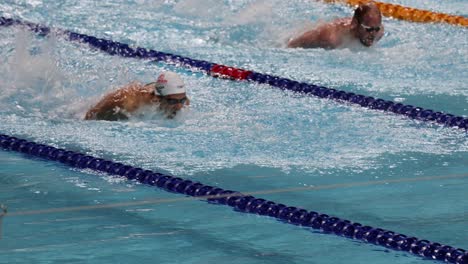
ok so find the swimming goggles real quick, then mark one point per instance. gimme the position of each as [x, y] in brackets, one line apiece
[370, 29]
[173, 101]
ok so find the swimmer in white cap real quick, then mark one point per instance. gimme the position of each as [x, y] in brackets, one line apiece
[168, 92]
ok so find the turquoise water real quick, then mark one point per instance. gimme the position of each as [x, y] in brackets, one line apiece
[369, 167]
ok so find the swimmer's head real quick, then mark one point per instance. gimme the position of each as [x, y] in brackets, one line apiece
[169, 83]
[367, 21]
[170, 89]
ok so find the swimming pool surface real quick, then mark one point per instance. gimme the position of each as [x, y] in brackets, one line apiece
[370, 167]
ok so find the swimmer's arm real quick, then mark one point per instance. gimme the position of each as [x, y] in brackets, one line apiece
[306, 40]
[316, 38]
[108, 108]
[114, 105]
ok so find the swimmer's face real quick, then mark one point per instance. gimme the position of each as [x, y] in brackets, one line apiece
[171, 104]
[369, 30]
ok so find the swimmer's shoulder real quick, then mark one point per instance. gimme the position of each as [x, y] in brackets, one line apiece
[132, 89]
[344, 21]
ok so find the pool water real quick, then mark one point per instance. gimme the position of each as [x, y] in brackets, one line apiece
[370, 167]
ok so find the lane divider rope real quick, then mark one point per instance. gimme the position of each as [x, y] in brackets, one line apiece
[243, 203]
[3, 212]
[234, 199]
[409, 13]
[218, 70]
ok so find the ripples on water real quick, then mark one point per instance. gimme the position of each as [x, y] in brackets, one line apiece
[47, 85]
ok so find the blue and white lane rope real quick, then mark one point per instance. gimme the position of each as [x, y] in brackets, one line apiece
[124, 50]
[244, 203]
[241, 202]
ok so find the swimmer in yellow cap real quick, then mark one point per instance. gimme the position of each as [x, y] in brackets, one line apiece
[365, 26]
[168, 93]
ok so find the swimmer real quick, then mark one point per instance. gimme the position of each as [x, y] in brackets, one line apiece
[365, 26]
[167, 93]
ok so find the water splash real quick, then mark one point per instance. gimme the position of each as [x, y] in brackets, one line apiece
[230, 124]
[34, 80]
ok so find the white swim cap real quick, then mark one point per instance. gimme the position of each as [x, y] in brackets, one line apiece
[169, 83]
